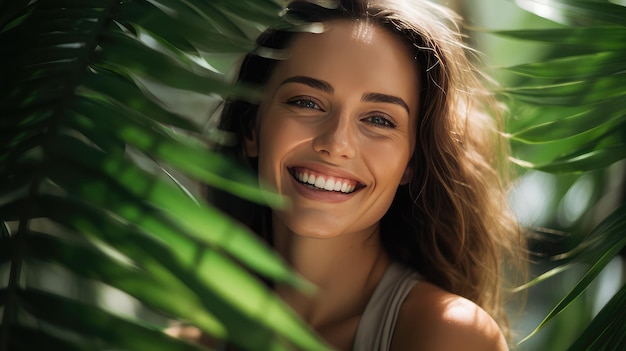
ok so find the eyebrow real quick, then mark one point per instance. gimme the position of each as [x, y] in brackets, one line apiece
[312, 82]
[378, 97]
[326, 87]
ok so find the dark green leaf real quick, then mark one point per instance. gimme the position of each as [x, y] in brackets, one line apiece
[91, 321]
[185, 153]
[182, 263]
[614, 225]
[608, 327]
[5, 243]
[201, 221]
[163, 68]
[605, 237]
[122, 91]
[28, 339]
[205, 10]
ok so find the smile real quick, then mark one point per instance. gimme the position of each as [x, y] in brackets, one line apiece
[324, 182]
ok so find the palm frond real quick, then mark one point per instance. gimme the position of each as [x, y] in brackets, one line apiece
[569, 117]
[73, 102]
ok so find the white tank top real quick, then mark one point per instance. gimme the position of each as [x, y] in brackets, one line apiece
[378, 321]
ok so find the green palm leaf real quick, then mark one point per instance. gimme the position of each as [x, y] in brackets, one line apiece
[607, 331]
[570, 117]
[76, 98]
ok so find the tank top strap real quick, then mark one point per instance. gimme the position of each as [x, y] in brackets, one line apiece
[378, 321]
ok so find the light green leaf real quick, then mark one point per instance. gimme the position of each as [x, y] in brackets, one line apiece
[182, 263]
[575, 68]
[579, 163]
[199, 220]
[571, 93]
[576, 12]
[183, 152]
[607, 116]
[90, 263]
[586, 39]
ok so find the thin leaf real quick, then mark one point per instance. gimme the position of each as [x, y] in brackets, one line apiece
[122, 91]
[28, 339]
[186, 154]
[189, 31]
[203, 222]
[572, 69]
[607, 115]
[91, 321]
[205, 10]
[5, 243]
[596, 159]
[5, 233]
[576, 12]
[152, 255]
[609, 325]
[570, 93]
[605, 235]
[590, 39]
[164, 69]
[589, 276]
[94, 264]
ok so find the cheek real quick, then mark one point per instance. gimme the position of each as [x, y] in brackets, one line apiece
[277, 140]
[389, 161]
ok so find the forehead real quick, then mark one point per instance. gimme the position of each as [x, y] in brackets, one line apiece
[350, 53]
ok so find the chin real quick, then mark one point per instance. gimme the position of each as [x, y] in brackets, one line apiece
[311, 226]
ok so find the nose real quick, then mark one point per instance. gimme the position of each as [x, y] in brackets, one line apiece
[335, 138]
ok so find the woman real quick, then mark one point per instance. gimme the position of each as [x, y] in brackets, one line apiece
[371, 124]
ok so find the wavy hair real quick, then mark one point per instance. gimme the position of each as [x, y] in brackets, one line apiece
[452, 222]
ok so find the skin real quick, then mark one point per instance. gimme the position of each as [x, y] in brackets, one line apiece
[322, 113]
[344, 106]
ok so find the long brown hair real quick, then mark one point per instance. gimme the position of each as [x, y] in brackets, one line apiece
[451, 223]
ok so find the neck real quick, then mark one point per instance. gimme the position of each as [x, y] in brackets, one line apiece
[346, 270]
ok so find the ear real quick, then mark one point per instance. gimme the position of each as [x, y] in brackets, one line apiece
[251, 144]
[408, 173]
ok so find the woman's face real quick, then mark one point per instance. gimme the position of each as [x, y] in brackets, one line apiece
[336, 129]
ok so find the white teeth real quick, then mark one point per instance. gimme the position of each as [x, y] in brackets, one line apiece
[319, 182]
[329, 185]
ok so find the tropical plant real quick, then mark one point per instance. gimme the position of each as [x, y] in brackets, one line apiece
[568, 116]
[82, 127]
[80, 120]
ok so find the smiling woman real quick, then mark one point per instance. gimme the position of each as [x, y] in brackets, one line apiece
[374, 129]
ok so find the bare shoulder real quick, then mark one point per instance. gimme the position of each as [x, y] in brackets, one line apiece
[432, 319]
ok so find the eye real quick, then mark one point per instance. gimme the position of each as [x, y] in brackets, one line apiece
[380, 121]
[304, 102]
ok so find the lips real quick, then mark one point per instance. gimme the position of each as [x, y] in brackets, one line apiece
[320, 181]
